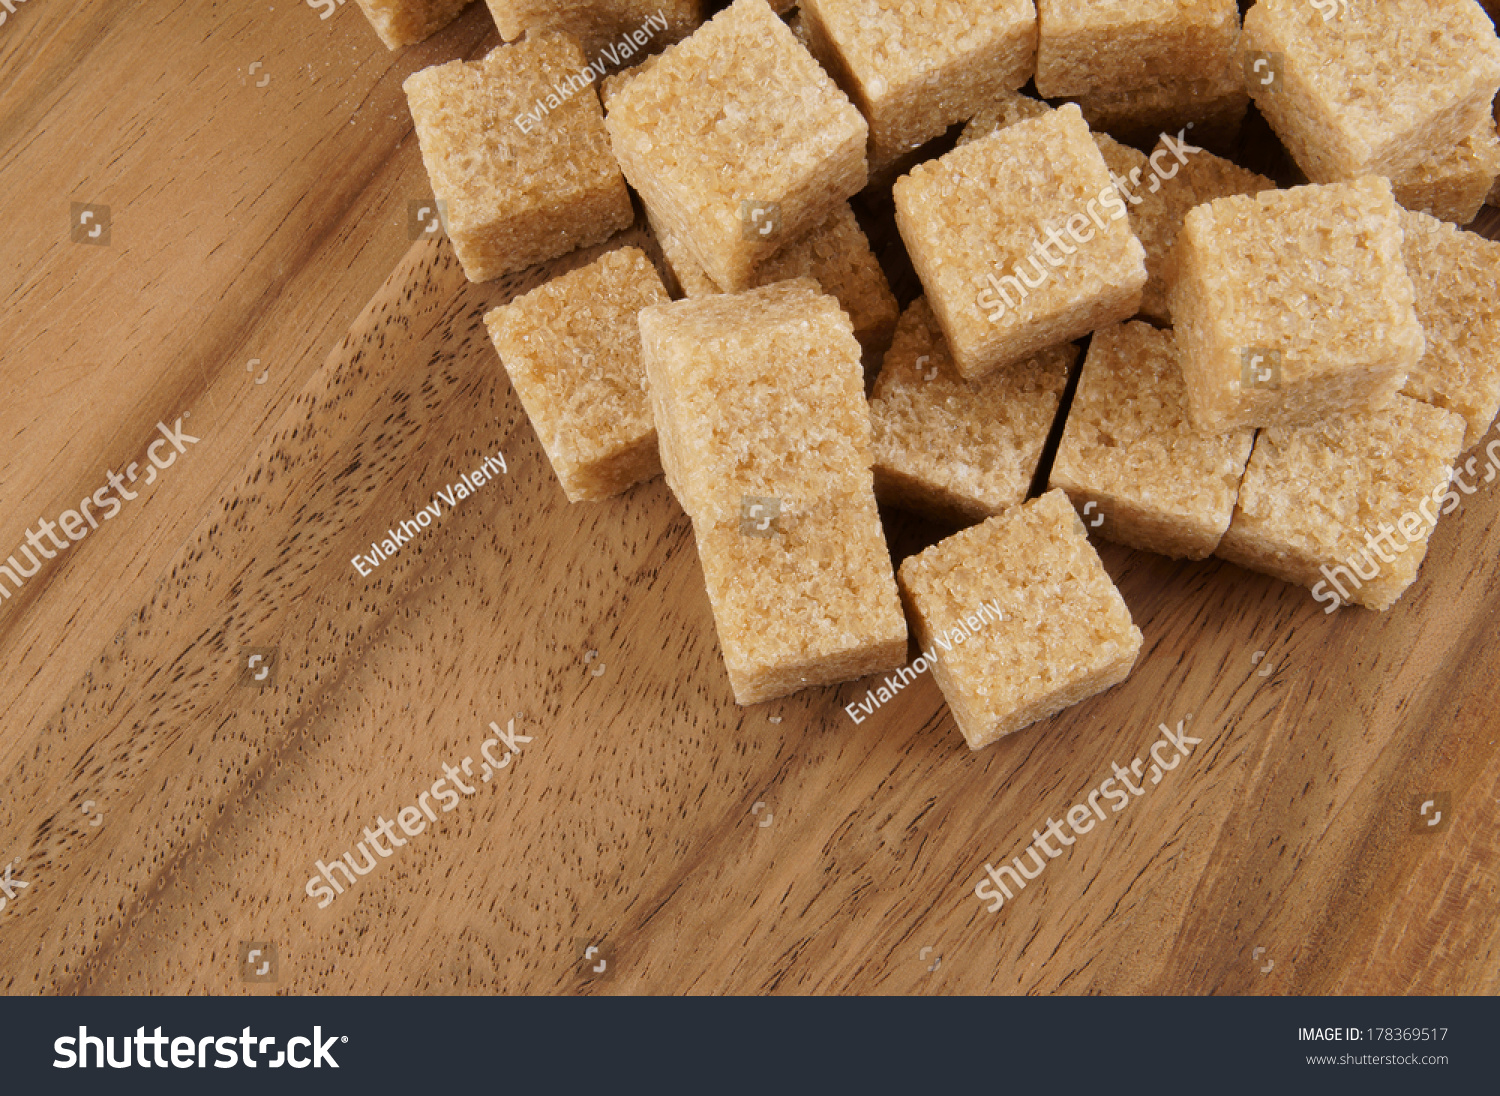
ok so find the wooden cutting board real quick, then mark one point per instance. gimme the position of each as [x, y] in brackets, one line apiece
[168, 810]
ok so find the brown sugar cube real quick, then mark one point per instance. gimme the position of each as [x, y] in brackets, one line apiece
[1183, 178]
[837, 255]
[1293, 305]
[1208, 98]
[1455, 182]
[765, 436]
[573, 352]
[758, 394]
[615, 83]
[525, 176]
[958, 450]
[987, 227]
[737, 141]
[1008, 108]
[1375, 90]
[407, 22]
[808, 600]
[1457, 279]
[1494, 198]
[1018, 619]
[1002, 110]
[1214, 104]
[1123, 162]
[1131, 461]
[1088, 47]
[690, 279]
[799, 31]
[915, 71]
[611, 32]
[1346, 506]
[1492, 8]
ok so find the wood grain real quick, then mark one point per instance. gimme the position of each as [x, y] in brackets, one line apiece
[706, 848]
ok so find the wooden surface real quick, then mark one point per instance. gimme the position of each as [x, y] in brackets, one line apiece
[167, 815]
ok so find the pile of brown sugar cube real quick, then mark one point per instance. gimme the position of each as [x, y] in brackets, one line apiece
[1287, 378]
